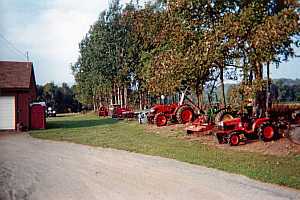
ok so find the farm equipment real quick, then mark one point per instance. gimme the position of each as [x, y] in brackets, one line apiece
[200, 125]
[181, 113]
[288, 113]
[281, 117]
[119, 112]
[240, 129]
[142, 116]
[207, 121]
[161, 114]
[103, 111]
[247, 127]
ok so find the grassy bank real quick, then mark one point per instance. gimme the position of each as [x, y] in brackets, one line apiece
[130, 136]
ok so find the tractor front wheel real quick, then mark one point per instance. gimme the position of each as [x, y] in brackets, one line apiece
[160, 119]
[234, 139]
[184, 114]
[267, 132]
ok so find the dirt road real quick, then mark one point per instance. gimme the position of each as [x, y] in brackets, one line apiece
[38, 169]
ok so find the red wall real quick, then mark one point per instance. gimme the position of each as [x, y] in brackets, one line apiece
[23, 98]
[37, 117]
[23, 111]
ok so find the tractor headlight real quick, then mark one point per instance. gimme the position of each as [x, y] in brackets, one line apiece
[54, 111]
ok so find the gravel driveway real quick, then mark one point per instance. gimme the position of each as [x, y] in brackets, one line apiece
[39, 169]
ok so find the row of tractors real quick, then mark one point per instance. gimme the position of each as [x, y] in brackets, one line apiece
[116, 111]
[228, 125]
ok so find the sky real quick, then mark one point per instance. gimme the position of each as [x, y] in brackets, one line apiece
[50, 30]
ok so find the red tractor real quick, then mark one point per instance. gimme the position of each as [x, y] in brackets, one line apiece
[240, 129]
[103, 111]
[161, 114]
[121, 112]
[181, 113]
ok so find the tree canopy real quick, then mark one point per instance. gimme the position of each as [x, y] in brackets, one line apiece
[165, 45]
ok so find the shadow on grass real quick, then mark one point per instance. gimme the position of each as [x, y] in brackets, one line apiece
[80, 123]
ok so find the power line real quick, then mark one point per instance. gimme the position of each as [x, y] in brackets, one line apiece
[12, 46]
[13, 50]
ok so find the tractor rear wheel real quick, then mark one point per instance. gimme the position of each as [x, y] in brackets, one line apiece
[267, 132]
[160, 119]
[184, 114]
[234, 139]
[223, 115]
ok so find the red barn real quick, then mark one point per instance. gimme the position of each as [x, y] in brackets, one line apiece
[17, 91]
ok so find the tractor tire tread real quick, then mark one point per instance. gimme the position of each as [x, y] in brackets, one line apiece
[180, 110]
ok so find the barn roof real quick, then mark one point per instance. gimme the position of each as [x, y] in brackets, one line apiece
[15, 74]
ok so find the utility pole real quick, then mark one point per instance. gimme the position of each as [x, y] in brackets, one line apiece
[27, 56]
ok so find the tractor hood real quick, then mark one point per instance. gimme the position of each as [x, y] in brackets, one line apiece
[231, 122]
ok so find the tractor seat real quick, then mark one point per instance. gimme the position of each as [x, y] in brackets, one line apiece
[246, 119]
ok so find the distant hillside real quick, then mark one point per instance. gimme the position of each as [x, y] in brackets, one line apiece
[285, 81]
[288, 89]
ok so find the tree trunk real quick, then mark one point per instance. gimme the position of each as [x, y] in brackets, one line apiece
[198, 95]
[268, 89]
[141, 104]
[115, 95]
[94, 103]
[251, 77]
[222, 86]
[125, 96]
[111, 97]
[258, 71]
[121, 96]
[118, 95]
[106, 96]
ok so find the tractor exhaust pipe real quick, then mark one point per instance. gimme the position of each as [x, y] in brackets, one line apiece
[182, 96]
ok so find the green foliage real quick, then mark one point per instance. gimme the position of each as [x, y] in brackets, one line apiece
[289, 90]
[165, 45]
[62, 99]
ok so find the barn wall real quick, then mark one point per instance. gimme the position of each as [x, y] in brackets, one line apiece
[24, 95]
[23, 99]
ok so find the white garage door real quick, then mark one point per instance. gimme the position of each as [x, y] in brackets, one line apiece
[7, 112]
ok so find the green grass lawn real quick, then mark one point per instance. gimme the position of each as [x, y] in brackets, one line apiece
[130, 136]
